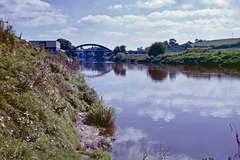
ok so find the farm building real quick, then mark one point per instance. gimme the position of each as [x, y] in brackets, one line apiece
[48, 45]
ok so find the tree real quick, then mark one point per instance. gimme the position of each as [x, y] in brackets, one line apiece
[116, 50]
[119, 49]
[157, 48]
[65, 44]
[123, 48]
[173, 42]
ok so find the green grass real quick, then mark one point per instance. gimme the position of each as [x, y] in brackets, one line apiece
[223, 57]
[40, 98]
[216, 43]
[226, 57]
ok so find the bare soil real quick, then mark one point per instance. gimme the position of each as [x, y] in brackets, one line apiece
[88, 135]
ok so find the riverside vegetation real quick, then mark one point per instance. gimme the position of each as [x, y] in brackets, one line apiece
[197, 56]
[40, 101]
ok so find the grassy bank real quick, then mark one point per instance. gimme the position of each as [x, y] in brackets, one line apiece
[224, 57]
[40, 98]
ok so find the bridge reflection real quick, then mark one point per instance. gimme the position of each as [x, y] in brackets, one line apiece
[157, 73]
[96, 69]
[93, 69]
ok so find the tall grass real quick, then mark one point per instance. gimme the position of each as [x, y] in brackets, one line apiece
[40, 98]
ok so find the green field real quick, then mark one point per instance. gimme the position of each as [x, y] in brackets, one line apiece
[216, 43]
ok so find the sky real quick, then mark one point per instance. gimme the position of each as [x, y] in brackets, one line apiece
[134, 23]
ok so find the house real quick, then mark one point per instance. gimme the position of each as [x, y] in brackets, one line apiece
[48, 45]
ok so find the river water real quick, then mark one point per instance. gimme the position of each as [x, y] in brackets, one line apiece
[176, 112]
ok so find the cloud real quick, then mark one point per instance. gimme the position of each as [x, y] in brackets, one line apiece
[130, 134]
[157, 114]
[154, 3]
[187, 6]
[66, 32]
[164, 19]
[115, 34]
[98, 19]
[193, 13]
[115, 7]
[221, 3]
[31, 13]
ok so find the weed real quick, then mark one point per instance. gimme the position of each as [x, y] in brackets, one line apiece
[40, 97]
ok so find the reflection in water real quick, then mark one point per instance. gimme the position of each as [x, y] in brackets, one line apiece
[119, 69]
[97, 69]
[188, 110]
[157, 72]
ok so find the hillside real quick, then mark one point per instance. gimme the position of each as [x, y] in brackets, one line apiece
[40, 100]
[217, 43]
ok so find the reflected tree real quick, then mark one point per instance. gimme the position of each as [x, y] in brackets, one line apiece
[157, 73]
[119, 69]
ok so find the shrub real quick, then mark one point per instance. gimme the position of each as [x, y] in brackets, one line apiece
[101, 116]
[119, 56]
[157, 48]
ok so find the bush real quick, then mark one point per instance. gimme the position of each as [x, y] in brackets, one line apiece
[157, 48]
[119, 56]
[101, 116]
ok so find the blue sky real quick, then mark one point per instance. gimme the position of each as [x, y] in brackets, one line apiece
[134, 23]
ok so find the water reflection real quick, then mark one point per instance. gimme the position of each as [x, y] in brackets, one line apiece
[96, 69]
[186, 108]
[119, 69]
[157, 72]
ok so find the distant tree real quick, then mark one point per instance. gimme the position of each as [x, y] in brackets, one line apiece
[157, 48]
[123, 48]
[119, 49]
[166, 43]
[140, 49]
[172, 43]
[116, 50]
[198, 40]
[65, 44]
[147, 49]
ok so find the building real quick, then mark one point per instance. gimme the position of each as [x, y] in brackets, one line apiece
[48, 45]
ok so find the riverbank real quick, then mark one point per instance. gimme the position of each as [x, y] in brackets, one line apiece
[42, 99]
[223, 57]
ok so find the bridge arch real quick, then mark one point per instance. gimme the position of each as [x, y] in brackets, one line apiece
[91, 44]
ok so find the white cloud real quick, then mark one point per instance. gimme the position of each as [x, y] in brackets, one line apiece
[130, 134]
[98, 19]
[154, 3]
[23, 5]
[163, 24]
[131, 18]
[187, 6]
[157, 114]
[115, 7]
[158, 19]
[115, 34]
[69, 32]
[222, 3]
[30, 13]
[193, 13]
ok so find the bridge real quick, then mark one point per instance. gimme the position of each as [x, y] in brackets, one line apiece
[97, 49]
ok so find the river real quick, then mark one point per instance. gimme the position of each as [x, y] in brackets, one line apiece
[173, 112]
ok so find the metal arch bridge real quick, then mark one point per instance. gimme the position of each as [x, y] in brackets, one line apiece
[91, 44]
